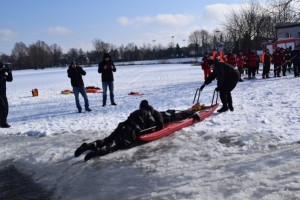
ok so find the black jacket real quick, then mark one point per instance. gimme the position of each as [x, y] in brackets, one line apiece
[296, 55]
[226, 75]
[75, 74]
[5, 76]
[106, 70]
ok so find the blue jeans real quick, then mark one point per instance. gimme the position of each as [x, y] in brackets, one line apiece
[80, 90]
[110, 85]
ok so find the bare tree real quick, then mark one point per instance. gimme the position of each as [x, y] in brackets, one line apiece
[284, 10]
[73, 54]
[101, 47]
[39, 55]
[56, 54]
[249, 26]
[20, 54]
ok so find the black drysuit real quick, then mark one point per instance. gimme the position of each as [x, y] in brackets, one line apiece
[227, 78]
[5, 76]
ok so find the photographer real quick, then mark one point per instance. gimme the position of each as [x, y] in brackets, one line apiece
[5, 76]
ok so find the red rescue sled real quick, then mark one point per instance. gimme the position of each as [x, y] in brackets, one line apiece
[135, 93]
[168, 129]
[171, 128]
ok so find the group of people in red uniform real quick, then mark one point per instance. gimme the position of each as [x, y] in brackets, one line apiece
[282, 59]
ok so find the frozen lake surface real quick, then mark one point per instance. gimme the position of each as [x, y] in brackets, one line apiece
[251, 153]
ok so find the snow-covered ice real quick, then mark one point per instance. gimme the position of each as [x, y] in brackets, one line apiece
[251, 153]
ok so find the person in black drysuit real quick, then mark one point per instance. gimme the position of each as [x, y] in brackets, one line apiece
[140, 122]
[5, 76]
[227, 78]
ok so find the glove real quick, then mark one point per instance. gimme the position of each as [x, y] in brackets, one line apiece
[217, 89]
[5, 69]
[202, 86]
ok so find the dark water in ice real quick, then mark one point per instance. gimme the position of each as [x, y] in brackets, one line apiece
[211, 166]
[15, 185]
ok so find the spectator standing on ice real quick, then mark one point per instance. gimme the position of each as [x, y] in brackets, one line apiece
[240, 62]
[231, 59]
[205, 66]
[75, 73]
[296, 60]
[5, 76]
[288, 57]
[266, 59]
[251, 59]
[106, 69]
[278, 60]
[227, 78]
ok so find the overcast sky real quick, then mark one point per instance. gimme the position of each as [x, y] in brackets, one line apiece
[76, 23]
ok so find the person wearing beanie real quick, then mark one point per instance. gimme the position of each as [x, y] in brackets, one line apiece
[75, 73]
[227, 78]
[5, 76]
[106, 69]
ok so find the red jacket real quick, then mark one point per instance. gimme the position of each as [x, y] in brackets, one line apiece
[230, 58]
[240, 61]
[252, 59]
[278, 57]
[205, 63]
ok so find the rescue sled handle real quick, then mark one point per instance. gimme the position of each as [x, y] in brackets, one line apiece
[212, 101]
[198, 92]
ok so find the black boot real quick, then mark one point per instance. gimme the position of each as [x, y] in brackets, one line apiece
[223, 109]
[230, 107]
[81, 149]
[97, 153]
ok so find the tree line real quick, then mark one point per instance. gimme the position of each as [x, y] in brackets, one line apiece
[241, 30]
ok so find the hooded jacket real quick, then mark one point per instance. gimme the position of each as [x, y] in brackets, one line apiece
[106, 69]
[5, 76]
[75, 74]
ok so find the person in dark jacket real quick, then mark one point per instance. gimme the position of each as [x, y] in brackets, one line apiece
[288, 58]
[227, 78]
[140, 122]
[296, 60]
[266, 59]
[75, 73]
[5, 76]
[106, 69]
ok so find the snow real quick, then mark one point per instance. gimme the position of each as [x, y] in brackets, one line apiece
[251, 153]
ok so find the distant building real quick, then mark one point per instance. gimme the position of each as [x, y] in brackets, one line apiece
[288, 30]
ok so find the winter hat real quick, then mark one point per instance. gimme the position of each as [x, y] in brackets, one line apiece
[144, 104]
[106, 55]
[73, 62]
[210, 62]
[1, 65]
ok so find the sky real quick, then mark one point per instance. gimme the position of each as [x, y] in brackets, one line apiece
[77, 23]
